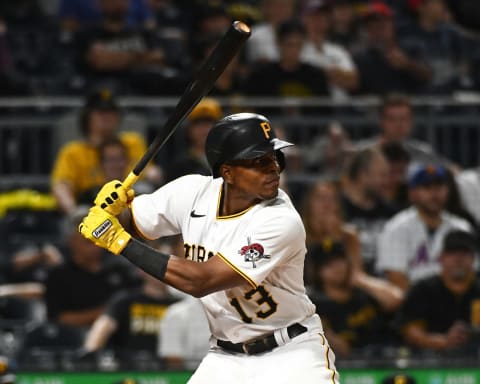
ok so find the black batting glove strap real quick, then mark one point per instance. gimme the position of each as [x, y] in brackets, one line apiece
[148, 259]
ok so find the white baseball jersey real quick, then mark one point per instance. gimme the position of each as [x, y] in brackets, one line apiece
[265, 244]
[405, 245]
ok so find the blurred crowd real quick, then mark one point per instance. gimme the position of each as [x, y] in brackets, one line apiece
[392, 226]
[298, 47]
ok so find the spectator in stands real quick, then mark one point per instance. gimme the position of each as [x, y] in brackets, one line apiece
[230, 81]
[322, 218]
[441, 311]
[75, 14]
[437, 43]
[288, 76]
[396, 124]
[353, 313]
[344, 24]
[77, 291]
[77, 167]
[11, 82]
[184, 335]
[327, 154]
[455, 205]
[114, 165]
[131, 320]
[361, 201]
[127, 57]
[262, 45]
[171, 30]
[395, 191]
[385, 66]
[192, 159]
[410, 244]
[468, 182]
[318, 51]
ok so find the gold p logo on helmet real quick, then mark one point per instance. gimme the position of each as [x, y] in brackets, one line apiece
[266, 129]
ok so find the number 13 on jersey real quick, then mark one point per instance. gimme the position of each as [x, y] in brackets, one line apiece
[267, 306]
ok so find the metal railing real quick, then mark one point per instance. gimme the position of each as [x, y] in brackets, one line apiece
[33, 129]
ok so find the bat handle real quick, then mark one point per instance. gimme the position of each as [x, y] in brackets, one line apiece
[130, 180]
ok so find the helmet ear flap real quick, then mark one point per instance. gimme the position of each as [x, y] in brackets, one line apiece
[280, 159]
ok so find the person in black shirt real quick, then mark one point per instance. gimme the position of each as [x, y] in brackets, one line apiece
[353, 310]
[131, 319]
[288, 76]
[77, 290]
[361, 199]
[116, 53]
[384, 66]
[442, 312]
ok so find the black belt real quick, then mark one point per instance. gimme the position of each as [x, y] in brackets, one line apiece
[264, 344]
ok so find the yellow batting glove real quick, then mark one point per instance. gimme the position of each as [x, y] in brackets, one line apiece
[104, 230]
[114, 197]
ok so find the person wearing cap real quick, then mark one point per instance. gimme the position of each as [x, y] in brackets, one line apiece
[193, 159]
[322, 53]
[77, 167]
[353, 309]
[410, 243]
[441, 311]
[384, 65]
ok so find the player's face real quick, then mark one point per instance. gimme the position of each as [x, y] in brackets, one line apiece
[257, 178]
[397, 122]
[457, 265]
[335, 273]
[430, 198]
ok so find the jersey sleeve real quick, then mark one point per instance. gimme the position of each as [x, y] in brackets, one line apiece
[392, 247]
[270, 243]
[162, 212]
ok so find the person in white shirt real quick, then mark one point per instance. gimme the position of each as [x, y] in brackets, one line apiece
[184, 334]
[328, 56]
[468, 182]
[262, 44]
[411, 241]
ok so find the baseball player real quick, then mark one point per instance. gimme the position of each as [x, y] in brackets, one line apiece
[244, 248]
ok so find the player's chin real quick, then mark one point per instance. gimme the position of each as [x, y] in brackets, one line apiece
[269, 193]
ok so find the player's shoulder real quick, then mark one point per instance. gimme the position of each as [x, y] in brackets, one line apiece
[280, 212]
[129, 137]
[403, 219]
[456, 221]
[427, 284]
[75, 146]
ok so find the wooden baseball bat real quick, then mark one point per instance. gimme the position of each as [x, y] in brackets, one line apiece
[201, 84]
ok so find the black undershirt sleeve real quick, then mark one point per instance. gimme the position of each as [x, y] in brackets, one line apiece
[146, 258]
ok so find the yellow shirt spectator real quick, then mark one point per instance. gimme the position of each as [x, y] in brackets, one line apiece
[78, 163]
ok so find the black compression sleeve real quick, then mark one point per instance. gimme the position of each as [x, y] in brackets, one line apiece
[151, 261]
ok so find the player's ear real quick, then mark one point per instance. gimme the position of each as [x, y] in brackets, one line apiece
[227, 173]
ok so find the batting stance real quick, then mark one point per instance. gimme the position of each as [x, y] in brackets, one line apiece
[244, 256]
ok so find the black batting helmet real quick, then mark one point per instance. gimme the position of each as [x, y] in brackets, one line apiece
[240, 136]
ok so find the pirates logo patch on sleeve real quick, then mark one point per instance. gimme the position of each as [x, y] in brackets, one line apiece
[253, 253]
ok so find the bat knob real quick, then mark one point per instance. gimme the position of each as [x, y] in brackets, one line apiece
[241, 27]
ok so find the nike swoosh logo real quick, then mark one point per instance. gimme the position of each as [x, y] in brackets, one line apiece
[193, 214]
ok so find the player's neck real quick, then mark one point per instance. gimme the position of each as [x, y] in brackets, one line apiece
[233, 201]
